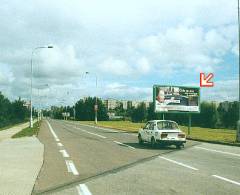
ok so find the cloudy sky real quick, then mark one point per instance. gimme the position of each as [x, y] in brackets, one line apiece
[129, 44]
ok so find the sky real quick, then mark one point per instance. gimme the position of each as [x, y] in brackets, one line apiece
[127, 45]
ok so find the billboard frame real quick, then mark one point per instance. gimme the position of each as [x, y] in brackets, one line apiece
[176, 112]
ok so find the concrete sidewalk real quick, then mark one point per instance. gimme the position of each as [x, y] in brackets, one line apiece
[20, 162]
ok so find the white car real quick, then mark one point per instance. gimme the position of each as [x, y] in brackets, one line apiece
[164, 132]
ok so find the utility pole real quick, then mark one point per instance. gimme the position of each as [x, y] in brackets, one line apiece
[31, 107]
[238, 123]
[96, 105]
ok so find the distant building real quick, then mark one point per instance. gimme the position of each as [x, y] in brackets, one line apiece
[135, 104]
[124, 104]
[111, 104]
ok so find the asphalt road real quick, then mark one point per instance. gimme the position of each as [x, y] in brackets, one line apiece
[85, 160]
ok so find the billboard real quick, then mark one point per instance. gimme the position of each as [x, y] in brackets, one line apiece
[176, 99]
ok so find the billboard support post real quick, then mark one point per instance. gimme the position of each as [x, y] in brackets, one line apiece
[163, 116]
[189, 123]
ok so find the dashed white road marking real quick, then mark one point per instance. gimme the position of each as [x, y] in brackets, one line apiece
[83, 190]
[179, 163]
[123, 144]
[217, 151]
[91, 133]
[53, 133]
[59, 144]
[64, 153]
[71, 167]
[225, 179]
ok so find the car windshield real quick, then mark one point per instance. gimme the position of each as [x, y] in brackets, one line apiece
[167, 125]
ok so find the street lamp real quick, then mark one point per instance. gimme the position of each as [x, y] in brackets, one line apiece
[238, 122]
[31, 118]
[96, 105]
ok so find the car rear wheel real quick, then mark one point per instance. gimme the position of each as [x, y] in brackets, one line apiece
[140, 141]
[153, 142]
[178, 146]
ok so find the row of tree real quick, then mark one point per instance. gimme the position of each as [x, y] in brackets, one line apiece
[223, 115]
[212, 115]
[12, 112]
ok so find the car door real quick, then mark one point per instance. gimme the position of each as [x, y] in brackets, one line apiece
[145, 131]
[150, 131]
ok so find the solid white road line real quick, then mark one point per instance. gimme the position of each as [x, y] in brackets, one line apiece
[91, 133]
[71, 167]
[179, 163]
[64, 153]
[83, 190]
[225, 179]
[59, 144]
[123, 144]
[53, 133]
[218, 151]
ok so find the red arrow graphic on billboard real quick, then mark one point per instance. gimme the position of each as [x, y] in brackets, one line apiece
[205, 81]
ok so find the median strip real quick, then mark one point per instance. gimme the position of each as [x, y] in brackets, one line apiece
[83, 189]
[179, 163]
[225, 179]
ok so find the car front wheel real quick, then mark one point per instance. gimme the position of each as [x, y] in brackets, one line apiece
[153, 142]
[140, 141]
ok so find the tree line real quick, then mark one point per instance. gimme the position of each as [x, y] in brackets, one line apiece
[223, 115]
[12, 112]
[212, 115]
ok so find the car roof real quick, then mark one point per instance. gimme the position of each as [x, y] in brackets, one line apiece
[162, 120]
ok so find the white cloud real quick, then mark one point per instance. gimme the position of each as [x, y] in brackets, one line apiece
[116, 67]
[121, 40]
[189, 47]
[122, 91]
[222, 90]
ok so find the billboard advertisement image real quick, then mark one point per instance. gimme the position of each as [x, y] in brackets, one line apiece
[176, 99]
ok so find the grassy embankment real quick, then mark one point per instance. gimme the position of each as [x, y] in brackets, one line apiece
[28, 132]
[206, 134]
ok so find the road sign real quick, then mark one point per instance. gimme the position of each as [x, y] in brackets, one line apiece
[96, 107]
[176, 99]
[205, 81]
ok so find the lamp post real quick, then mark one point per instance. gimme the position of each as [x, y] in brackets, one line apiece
[31, 118]
[238, 123]
[96, 105]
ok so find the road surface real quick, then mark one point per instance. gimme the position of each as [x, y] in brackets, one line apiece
[81, 159]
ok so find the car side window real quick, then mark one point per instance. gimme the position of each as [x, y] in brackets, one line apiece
[160, 125]
[147, 126]
[151, 127]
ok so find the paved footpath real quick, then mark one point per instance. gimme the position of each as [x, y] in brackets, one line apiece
[20, 162]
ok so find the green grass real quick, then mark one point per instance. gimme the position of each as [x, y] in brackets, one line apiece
[28, 132]
[205, 134]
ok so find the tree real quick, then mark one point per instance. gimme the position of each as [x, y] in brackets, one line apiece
[140, 113]
[85, 109]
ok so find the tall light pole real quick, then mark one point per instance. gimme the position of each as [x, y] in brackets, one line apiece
[96, 105]
[31, 118]
[238, 123]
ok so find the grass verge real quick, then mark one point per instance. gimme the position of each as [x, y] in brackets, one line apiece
[225, 136]
[28, 132]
